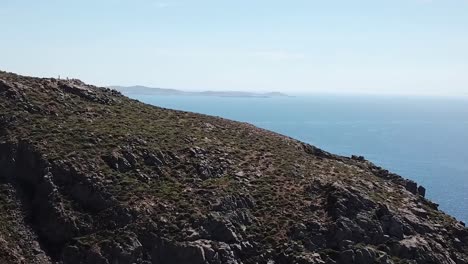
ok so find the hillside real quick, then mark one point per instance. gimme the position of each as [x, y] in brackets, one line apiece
[90, 176]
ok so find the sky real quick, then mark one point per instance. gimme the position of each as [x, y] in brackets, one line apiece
[417, 47]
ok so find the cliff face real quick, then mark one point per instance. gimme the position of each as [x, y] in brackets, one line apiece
[90, 176]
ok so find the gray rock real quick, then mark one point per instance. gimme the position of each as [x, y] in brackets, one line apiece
[422, 191]
[395, 228]
[220, 229]
[118, 162]
[347, 257]
[411, 186]
[152, 160]
[365, 256]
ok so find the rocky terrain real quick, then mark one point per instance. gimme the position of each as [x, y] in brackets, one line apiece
[90, 176]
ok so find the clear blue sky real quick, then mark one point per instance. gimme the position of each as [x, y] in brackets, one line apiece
[370, 46]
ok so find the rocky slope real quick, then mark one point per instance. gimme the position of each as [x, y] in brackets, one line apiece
[90, 176]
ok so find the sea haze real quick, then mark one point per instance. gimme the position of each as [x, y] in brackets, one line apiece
[423, 139]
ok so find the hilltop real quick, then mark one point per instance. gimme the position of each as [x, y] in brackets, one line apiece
[88, 175]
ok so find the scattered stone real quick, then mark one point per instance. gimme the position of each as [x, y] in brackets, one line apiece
[89, 176]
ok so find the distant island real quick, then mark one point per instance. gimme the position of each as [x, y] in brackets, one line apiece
[138, 89]
[88, 175]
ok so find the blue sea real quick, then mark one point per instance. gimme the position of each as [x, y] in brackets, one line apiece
[423, 139]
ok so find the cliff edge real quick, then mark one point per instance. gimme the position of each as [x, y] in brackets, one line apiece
[90, 176]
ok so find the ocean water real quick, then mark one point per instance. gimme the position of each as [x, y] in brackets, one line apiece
[423, 139]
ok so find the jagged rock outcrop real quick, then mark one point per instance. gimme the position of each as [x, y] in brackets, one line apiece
[90, 176]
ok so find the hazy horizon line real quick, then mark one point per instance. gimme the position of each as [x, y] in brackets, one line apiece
[305, 93]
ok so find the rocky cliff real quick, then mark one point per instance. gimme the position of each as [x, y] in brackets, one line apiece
[90, 176]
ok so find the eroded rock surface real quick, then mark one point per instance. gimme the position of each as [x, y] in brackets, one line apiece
[90, 176]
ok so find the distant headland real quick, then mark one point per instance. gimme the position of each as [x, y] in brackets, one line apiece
[138, 89]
